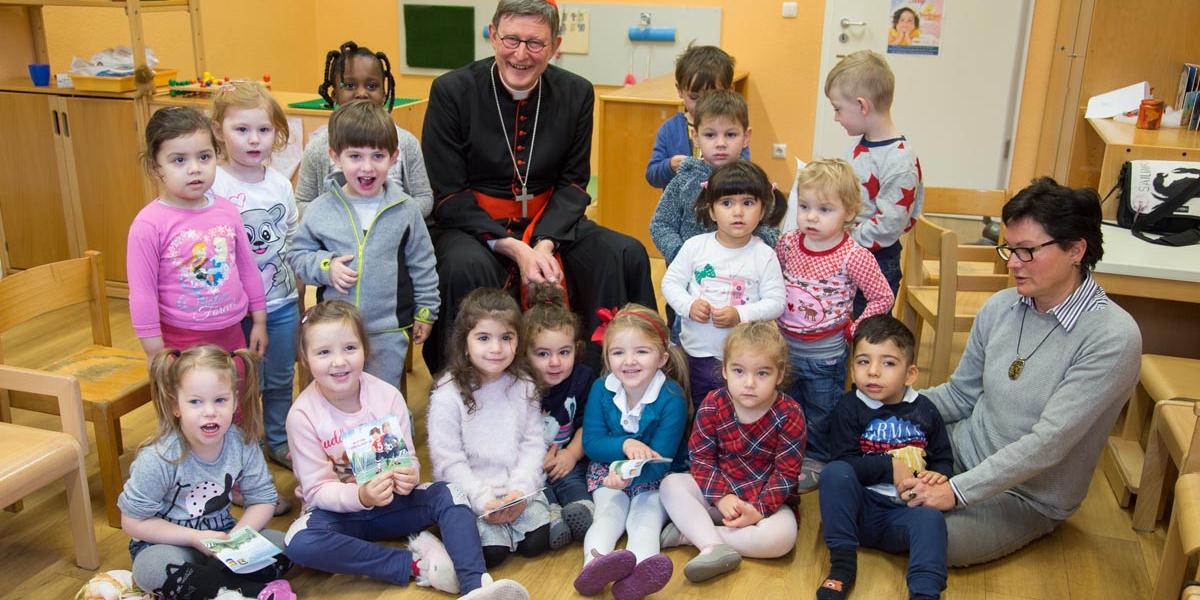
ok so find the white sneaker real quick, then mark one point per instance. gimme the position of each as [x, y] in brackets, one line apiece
[505, 589]
[437, 570]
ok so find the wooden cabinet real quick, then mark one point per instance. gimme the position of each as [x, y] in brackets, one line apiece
[74, 181]
[31, 206]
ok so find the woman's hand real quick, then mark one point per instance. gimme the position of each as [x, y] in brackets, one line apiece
[918, 493]
[636, 449]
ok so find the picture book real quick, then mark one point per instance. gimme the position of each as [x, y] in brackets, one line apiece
[376, 447]
[246, 550]
[630, 469]
[513, 502]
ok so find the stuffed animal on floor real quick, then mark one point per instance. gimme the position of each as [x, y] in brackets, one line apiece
[112, 585]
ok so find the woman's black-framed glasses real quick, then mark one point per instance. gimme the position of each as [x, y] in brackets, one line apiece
[1023, 254]
[513, 42]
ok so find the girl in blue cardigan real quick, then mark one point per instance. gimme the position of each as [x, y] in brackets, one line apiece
[639, 410]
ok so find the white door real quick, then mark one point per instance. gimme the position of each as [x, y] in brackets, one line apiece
[958, 108]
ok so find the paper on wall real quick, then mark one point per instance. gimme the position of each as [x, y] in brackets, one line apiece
[1111, 104]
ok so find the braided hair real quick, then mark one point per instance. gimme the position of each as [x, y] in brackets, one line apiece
[335, 71]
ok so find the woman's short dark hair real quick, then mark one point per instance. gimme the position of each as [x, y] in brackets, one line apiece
[1067, 214]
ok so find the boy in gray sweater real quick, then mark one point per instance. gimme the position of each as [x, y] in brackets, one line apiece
[364, 240]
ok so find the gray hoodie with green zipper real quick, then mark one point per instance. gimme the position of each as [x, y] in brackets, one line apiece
[397, 273]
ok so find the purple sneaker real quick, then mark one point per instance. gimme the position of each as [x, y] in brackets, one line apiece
[603, 570]
[647, 577]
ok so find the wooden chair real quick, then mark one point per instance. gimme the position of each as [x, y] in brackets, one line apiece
[112, 381]
[1174, 440]
[950, 305]
[1162, 378]
[32, 458]
[973, 259]
[1183, 539]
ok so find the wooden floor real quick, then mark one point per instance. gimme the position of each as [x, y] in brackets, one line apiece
[1095, 555]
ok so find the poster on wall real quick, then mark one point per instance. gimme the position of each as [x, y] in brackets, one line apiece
[575, 31]
[916, 27]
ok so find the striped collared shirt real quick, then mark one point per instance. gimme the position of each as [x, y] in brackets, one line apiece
[1087, 297]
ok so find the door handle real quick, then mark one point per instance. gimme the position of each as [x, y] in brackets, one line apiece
[54, 119]
[847, 23]
[66, 125]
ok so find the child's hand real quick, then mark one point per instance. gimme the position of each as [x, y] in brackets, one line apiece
[563, 462]
[341, 276]
[729, 507]
[900, 472]
[377, 492]
[676, 161]
[198, 535]
[726, 317]
[405, 479]
[513, 512]
[701, 311]
[932, 478]
[549, 460]
[258, 339]
[420, 332]
[748, 515]
[613, 481]
[636, 449]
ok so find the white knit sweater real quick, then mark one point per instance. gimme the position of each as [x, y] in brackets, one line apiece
[492, 451]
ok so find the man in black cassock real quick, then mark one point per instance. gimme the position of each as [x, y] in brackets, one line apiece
[509, 128]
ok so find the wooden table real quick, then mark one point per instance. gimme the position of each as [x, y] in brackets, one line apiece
[1123, 141]
[628, 123]
[1160, 287]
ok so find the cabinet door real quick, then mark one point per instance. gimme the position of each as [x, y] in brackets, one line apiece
[30, 197]
[102, 135]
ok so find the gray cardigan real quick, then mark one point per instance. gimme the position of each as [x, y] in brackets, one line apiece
[1041, 435]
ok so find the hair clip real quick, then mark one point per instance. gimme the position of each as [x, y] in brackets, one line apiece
[606, 316]
[704, 185]
[774, 187]
[304, 317]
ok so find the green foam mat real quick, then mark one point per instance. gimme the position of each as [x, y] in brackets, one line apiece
[319, 103]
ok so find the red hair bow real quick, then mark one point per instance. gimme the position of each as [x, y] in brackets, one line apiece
[606, 316]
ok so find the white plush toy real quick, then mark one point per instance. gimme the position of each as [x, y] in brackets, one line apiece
[112, 585]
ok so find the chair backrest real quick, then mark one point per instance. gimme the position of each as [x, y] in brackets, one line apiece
[46, 288]
[962, 201]
[932, 242]
[64, 388]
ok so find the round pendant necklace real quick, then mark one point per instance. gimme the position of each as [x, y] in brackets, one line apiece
[1018, 365]
[524, 196]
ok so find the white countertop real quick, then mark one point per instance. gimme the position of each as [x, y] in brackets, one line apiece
[1125, 254]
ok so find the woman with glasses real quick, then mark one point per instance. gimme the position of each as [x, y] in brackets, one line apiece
[508, 141]
[1046, 370]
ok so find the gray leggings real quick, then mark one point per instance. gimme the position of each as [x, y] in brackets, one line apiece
[150, 565]
[996, 527]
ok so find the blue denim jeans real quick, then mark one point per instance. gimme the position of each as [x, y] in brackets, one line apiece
[854, 516]
[889, 263]
[818, 385]
[345, 542]
[278, 371]
[571, 487]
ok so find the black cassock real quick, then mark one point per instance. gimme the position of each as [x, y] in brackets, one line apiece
[465, 152]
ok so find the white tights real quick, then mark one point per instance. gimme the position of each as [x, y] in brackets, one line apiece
[700, 522]
[642, 517]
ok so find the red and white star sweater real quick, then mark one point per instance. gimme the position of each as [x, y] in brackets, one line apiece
[893, 193]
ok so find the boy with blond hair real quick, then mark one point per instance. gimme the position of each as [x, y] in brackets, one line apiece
[699, 69]
[861, 87]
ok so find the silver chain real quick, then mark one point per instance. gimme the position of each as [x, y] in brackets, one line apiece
[508, 143]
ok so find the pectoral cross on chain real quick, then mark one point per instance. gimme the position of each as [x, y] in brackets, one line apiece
[524, 197]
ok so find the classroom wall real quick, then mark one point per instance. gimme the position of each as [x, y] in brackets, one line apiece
[289, 38]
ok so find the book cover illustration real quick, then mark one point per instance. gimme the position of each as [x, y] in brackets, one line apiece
[630, 469]
[246, 550]
[376, 447]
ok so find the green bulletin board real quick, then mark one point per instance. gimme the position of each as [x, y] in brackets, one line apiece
[439, 37]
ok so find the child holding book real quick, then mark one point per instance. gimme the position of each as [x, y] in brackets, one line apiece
[343, 519]
[485, 428]
[884, 433]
